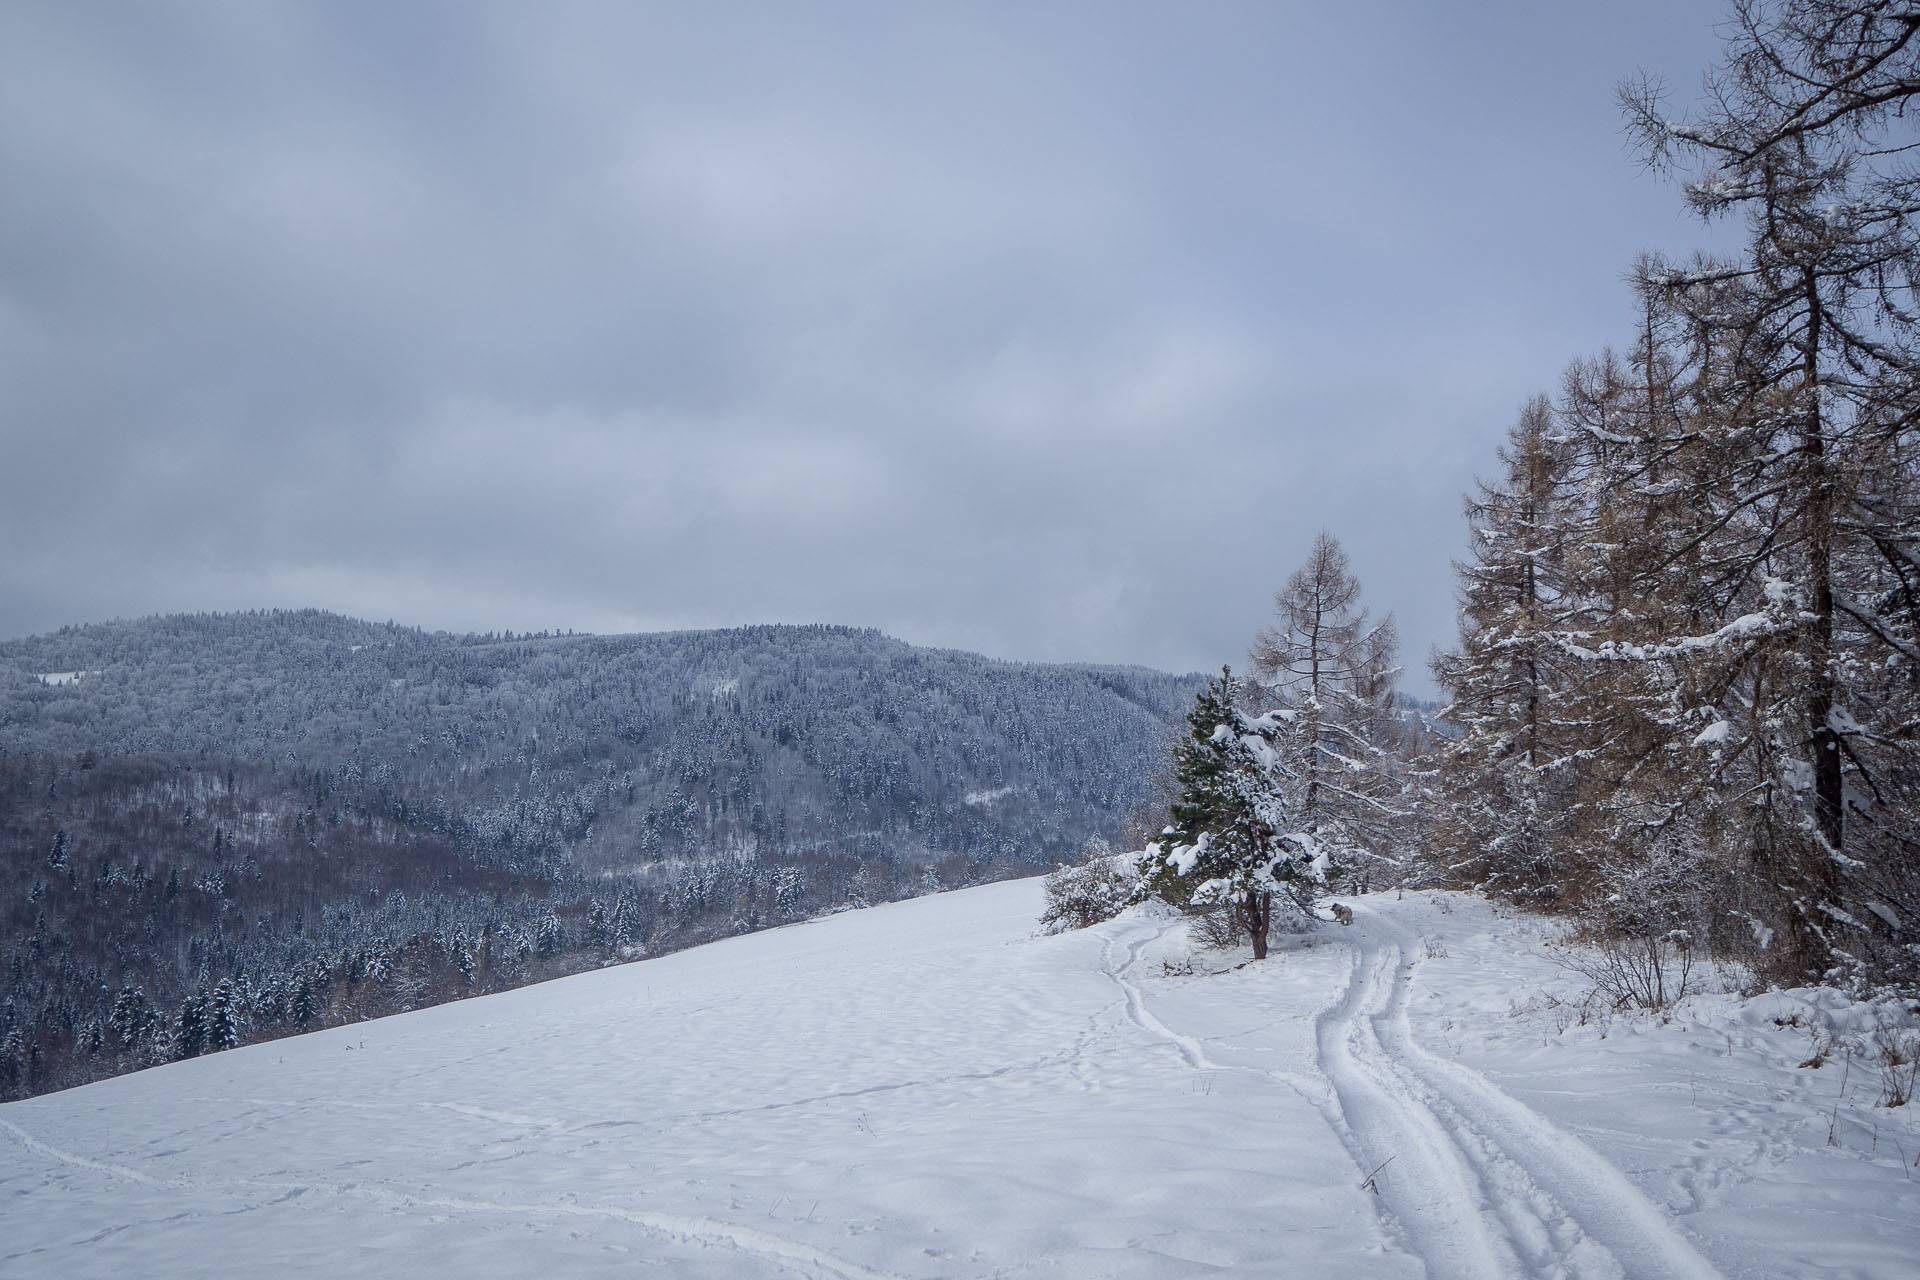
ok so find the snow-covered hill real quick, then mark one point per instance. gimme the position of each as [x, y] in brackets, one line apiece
[927, 1089]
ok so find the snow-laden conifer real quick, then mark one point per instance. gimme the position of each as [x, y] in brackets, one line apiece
[1236, 836]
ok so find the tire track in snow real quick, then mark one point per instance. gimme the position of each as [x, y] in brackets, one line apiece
[1566, 1210]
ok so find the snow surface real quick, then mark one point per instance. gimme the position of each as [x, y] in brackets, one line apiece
[928, 1089]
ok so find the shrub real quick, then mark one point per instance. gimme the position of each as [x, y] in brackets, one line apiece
[1086, 894]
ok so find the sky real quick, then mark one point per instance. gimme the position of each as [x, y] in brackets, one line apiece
[1051, 331]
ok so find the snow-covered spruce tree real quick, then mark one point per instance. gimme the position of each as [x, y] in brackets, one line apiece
[190, 1027]
[224, 1018]
[1332, 670]
[1234, 836]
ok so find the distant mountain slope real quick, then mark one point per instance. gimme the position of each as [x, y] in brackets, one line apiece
[617, 750]
[226, 828]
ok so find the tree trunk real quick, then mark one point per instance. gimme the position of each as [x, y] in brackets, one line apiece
[1256, 912]
[1819, 874]
[1827, 779]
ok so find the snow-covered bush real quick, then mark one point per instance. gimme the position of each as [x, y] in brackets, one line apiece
[1086, 894]
[1647, 972]
[1217, 930]
[1896, 1053]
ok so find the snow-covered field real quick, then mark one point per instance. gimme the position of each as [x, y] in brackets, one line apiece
[927, 1089]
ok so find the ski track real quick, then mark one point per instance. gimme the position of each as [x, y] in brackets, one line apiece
[54, 1153]
[1433, 1217]
[1136, 1002]
[1473, 1183]
[1480, 1185]
[789, 1255]
[1431, 1197]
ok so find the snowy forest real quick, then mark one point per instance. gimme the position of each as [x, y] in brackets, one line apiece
[1684, 704]
[1688, 683]
[1682, 709]
[221, 828]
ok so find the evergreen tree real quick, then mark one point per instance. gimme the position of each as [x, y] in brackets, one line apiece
[1234, 838]
[305, 1006]
[789, 891]
[133, 1016]
[190, 1027]
[549, 938]
[225, 1022]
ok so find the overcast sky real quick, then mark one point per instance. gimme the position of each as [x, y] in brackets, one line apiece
[1047, 330]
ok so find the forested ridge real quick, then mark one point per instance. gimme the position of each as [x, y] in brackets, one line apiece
[224, 827]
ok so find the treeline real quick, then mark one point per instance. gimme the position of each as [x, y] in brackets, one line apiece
[1688, 684]
[224, 828]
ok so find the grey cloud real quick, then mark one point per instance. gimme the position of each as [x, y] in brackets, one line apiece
[1054, 331]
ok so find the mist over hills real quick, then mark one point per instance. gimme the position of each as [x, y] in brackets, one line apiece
[303, 818]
